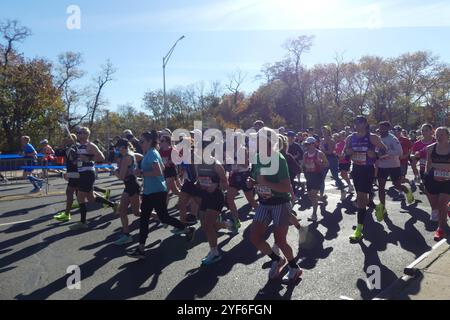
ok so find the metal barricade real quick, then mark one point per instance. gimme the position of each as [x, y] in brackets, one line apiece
[11, 166]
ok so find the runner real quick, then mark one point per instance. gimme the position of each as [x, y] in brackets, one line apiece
[389, 166]
[437, 180]
[293, 168]
[314, 161]
[87, 154]
[344, 161]
[131, 195]
[274, 206]
[30, 156]
[170, 172]
[49, 156]
[360, 146]
[238, 181]
[212, 181]
[190, 193]
[420, 155]
[406, 148]
[154, 194]
[294, 149]
[328, 147]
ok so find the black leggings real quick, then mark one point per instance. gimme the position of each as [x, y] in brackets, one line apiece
[157, 201]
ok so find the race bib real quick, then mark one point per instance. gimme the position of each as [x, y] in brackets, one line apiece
[423, 162]
[73, 175]
[165, 161]
[79, 164]
[441, 174]
[263, 191]
[360, 158]
[205, 182]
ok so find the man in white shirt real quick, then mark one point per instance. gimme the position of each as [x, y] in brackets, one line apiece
[389, 166]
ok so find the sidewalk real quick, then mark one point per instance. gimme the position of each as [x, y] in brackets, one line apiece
[427, 278]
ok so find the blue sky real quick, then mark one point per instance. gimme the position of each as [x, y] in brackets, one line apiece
[223, 35]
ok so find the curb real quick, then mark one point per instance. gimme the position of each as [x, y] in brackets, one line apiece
[414, 271]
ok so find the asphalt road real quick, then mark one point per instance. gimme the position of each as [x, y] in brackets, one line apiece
[35, 252]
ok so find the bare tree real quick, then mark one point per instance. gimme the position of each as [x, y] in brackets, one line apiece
[102, 79]
[67, 71]
[12, 32]
[296, 48]
[236, 79]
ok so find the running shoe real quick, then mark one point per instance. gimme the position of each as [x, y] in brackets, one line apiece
[190, 234]
[410, 197]
[276, 267]
[35, 190]
[63, 217]
[357, 235]
[107, 195]
[75, 205]
[237, 224]
[313, 217]
[231, 226]
[439, 235]
[293, 275]
[211, 258]
[78, 226]
[136, 254]
[435, 215]
[380, 211]
[124, 239]
[116, 208]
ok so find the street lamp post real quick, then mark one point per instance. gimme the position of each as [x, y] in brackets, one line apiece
[165, 61]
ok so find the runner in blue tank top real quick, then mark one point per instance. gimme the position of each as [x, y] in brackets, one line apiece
[360, 146]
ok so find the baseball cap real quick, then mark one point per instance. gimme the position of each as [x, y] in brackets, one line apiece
[45, 141]
[310, 140]
[291, 134]
[127, 132]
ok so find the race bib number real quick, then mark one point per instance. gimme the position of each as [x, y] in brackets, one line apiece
[79, 164]
[205, 182]
[263, 191]
[441, 174]
[360, 158]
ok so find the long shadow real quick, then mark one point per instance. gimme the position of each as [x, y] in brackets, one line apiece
[10, 189]
[409, 238]
[128, 283]
[311, 248]
[418, 214]
[387, 276]
[21, 212]
[35, 248]
[331, 221]
[202, 280]
[101, 257]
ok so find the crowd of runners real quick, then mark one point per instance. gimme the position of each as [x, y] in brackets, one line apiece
[358, 158]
